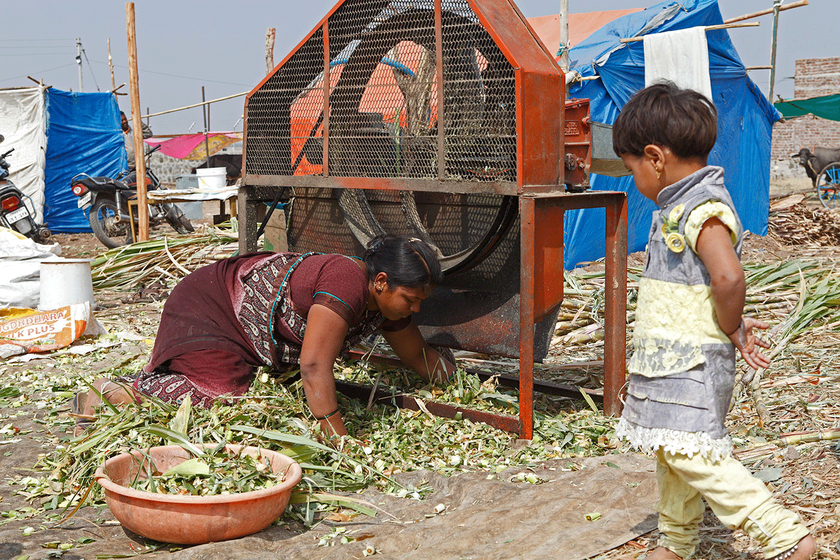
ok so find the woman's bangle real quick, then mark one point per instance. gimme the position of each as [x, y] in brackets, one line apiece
[333, 413]
[740, 326]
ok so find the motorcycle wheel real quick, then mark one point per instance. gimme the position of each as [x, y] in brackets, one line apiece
[43, 234]
[177, 219]
[105, 228]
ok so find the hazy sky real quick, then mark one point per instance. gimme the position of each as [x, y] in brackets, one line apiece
[183, 46]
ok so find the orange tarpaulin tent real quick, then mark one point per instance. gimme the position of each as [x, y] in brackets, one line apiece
[581, 26]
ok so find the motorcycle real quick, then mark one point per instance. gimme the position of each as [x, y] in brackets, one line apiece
[16, 209]
[109, 214]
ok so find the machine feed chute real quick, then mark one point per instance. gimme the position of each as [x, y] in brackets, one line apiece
[440, 119]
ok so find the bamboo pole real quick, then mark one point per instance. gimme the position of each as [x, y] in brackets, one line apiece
[798, 4]
[139, 152]
[564, 35]
[111, 66]
[707, 28]
[777, 4]
[194, 105]
[39, 82]
[269, 49]
[795, 438]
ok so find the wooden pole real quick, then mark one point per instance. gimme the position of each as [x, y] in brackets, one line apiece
[137, 125]
[798, 4]
[111, 66]
[564, 35]
[198, 104]
[269, 49]
[707, 28]
[777, 4]
[205, 111]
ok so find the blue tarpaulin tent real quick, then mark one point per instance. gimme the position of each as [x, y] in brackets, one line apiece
[83, 136]
[744, 124]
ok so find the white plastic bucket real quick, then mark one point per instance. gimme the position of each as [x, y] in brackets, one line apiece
[64, 282]
[211, 178]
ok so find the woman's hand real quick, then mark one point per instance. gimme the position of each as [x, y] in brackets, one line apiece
[325, 332]
[747, 342]
[414, 352]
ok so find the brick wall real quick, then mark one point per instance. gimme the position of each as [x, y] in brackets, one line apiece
[814, 77]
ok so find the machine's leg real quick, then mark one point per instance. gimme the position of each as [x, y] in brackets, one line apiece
[247, 222]
[526, 318]
[616, 304]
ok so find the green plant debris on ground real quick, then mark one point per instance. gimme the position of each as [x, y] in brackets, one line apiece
[387, 440]
[216, 472]
[796, 296]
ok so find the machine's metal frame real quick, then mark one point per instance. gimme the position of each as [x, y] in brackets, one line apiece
[552, 150]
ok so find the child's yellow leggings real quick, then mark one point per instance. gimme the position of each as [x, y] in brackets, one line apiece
[737, 498]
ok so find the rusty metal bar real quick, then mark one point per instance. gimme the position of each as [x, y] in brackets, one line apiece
[383, 183]
[615, 308]
[325, 167]
[509, 381]
[441, 128]
[527, 249]
[246, 205]
[359, 392]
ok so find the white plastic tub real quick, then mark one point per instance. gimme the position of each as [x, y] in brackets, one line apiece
[211, 178]
[64, 282]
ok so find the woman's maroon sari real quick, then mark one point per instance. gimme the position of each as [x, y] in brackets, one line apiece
[214, 326]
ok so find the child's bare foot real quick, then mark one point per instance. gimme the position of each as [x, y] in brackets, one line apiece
[662, 553]
[804, 550]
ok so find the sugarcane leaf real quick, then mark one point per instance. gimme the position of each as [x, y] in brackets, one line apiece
[175, 437]
[282, 437]
[190, 467]
[588, 400]
[328, 498]
[181, 421]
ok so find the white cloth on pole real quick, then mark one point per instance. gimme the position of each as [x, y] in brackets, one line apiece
[681, 57]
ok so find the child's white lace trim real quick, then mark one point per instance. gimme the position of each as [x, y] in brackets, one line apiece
[674, 441]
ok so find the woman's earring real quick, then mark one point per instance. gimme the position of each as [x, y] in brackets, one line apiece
[658, 174]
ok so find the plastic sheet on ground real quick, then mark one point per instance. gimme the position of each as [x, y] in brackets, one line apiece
[20, 269]
[471, 516]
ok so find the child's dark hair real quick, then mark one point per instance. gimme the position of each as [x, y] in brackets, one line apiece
[407, 261]
[665, 115]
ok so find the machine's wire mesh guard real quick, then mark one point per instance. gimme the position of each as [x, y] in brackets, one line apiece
[458, 226]
[384, 111]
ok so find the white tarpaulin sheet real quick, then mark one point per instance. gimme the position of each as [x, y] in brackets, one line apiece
[20, 269]
[23, 121]
[187, 195]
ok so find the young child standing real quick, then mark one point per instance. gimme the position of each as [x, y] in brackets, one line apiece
[688, 323]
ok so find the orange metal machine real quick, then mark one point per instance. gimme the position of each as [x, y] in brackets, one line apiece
[445, 120]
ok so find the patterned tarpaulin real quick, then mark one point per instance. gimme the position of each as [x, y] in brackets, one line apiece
[192, 146]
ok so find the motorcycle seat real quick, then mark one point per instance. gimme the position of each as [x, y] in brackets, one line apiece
[98, 183]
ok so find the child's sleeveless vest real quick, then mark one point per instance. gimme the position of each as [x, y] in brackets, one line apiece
[682, 368]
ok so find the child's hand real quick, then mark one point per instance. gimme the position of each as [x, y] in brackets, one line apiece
[747, 342]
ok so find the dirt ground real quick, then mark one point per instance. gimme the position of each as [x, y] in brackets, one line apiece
[482, 516]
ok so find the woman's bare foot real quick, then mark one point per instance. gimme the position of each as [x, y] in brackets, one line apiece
[806, 548]
[85, 405]
[113, 392]
[662, 553]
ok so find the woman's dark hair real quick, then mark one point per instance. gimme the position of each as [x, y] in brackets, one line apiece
[665, 115]
[407, 261]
